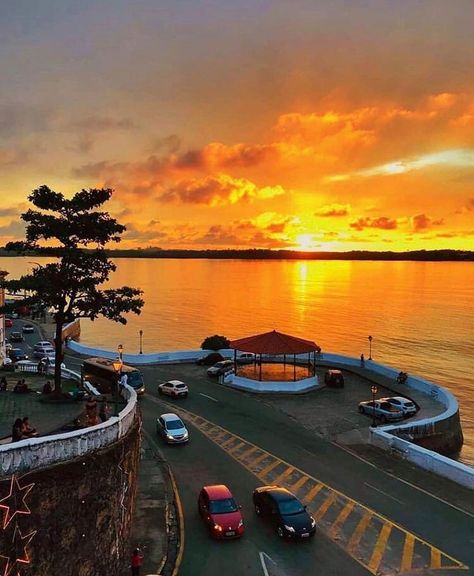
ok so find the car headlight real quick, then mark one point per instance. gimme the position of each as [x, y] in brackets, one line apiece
[170, 437]
[217, 528]
[289, 528]
[313, 522]
[186, 434]
[241, 523]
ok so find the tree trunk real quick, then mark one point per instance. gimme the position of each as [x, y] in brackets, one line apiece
[58, 348]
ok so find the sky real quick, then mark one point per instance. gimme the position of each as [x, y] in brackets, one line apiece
[301, 124]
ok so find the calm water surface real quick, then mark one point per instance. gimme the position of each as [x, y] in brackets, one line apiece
[420, 314]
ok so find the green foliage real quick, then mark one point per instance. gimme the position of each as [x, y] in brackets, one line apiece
[215, 342]
[71, 286]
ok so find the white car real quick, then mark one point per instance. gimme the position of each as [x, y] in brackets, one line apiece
[221, 367]
[171, 428]
[384, 411]
[246, 358]
[43, 348]
[174, 388]
[404, 404]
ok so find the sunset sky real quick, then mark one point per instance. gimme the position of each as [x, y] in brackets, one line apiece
[302, 124]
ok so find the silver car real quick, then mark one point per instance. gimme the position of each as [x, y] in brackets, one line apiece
[384, 411]
[221, 368]
[172, 429]
[404, 404]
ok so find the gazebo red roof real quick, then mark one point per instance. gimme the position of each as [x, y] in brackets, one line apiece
[274, 343]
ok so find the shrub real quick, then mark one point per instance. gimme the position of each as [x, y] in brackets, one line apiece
[215, 342]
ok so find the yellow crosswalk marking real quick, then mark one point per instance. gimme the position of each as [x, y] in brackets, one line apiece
[344, 513]
[299, 483]
[321, 511]
[268, 469]
[407, 557]
[279, 479]
[379, 548]
[257, 460]
[312, 493]
[228, 442]
[357, 535]
[248, 453]
[435, 558]
[239, 445]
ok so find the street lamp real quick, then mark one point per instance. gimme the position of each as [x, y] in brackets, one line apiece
[141, 341]
[370, 347]
[117, 364]
[374, 392]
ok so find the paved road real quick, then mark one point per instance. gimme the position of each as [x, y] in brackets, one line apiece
[369, 522]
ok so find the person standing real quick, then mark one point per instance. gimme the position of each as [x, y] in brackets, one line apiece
[137, 561]
[362, 360]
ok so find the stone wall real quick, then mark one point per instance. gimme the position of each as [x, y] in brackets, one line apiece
[72, 519]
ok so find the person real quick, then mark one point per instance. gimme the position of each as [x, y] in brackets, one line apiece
[47, 388]
[17, 432]
[137, 561]
[21, 387]
[103, 412]
[26, 429]
[362, 360]
[91, 411]
[3, 384]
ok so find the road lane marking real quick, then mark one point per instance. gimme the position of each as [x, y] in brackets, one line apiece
[276, 481]
[299, 484]
[210, 397]
[239, 445]
[379, 549]
[407, 557]
[376, 543]
[344, 513]
[321, 511]
[435, 558]
[264, 555]
[268, 469]
[384, 493]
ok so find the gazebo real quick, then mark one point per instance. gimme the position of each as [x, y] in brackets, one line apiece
[276, 344]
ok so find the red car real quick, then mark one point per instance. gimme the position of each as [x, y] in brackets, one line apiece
[219, 511]
[8, 322]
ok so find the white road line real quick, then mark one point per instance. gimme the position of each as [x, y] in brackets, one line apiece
[210, 397]
[263, 555]
[384, 493]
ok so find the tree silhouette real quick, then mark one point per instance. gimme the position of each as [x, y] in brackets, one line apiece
[70, 287]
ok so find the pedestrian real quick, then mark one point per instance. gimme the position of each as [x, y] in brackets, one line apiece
[17, 432]
[47, 388]
[137, 561]
[26, 429]
[103, 412]
[362, 360]
[3, 384]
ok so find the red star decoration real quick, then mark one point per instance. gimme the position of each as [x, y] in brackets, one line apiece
[16, 552]
[15, 501]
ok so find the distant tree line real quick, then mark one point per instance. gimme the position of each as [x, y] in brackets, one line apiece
[260, 254]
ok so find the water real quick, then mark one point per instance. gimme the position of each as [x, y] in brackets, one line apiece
[420, 314]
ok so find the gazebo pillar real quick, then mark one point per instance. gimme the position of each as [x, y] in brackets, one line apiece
[260, 371]
[235, 361]
[294, 367]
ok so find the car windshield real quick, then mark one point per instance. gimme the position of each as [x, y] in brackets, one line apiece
[289, 507]
[174, 424]
[222, 506]
[134, 379]
[180, 385]
[386, 406]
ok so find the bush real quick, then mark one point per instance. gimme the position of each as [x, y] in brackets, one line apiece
[215, 342]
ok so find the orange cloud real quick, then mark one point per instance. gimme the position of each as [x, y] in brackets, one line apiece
[333, 210]
[382, 222]
[422, 222]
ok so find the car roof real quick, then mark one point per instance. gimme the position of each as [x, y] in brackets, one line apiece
[277, 492]
[218, 492]
[43, 343]
[174, 382]
[334, 372]
[170, 416]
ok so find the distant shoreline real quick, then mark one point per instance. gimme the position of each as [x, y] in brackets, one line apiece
[261, 254]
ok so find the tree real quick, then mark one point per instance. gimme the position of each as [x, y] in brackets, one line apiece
[215, 342]
[76, 233]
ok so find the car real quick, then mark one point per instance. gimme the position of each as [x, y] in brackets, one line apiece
[174, 388]
[16, 354]
[334, 379]
[8, 322]
[210, 359]
[284, 511]
[220, 513]
[28, 329]
[384, 411]
[46, 353]
[408, 407]
[221, 368]
[16, 337]
[246, 358]
[42, 348]
[171, 428]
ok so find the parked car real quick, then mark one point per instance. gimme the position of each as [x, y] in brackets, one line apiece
[28, 329]
[16, 337]
[172, 429]
[334, 379]
[282, 509]
[404, 404]
[384, 411]
[8, 322]
[42, 348]
[210, 359]
[246, 358]
[220, 367]
[174, 388]
[16, 354]
[218, 509]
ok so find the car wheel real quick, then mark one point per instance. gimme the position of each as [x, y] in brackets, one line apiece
[280, 532]
[186, 395]
[160, 391]
[258, 511]
[361, 409]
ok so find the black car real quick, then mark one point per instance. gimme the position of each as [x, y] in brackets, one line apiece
[210, 359]
[282, 509]
[16, 337]
[16, 354]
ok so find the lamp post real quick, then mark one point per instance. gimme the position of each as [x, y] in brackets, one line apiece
[374, 392]
[117, 364]
[140, 332]
[370, 347]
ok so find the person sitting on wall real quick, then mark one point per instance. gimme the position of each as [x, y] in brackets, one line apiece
[17, 430]
[3, 384]
[21, 387]
[47, 388]
[26, 429]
